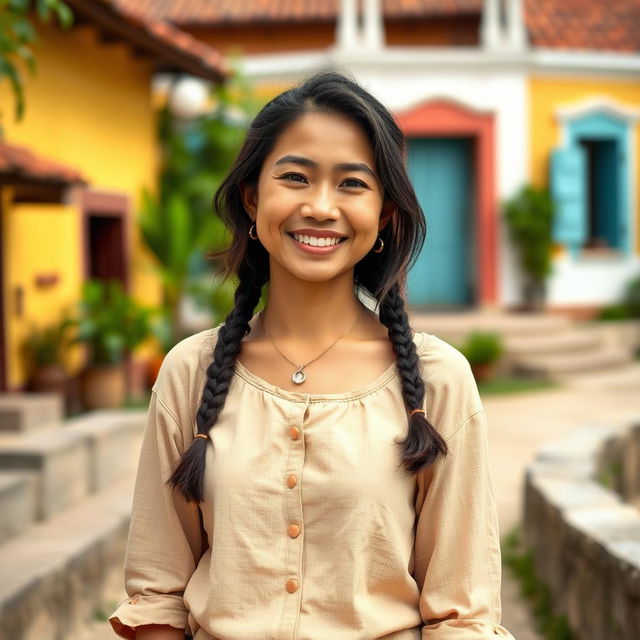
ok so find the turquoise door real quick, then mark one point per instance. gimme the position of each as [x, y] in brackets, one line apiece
[441, 172]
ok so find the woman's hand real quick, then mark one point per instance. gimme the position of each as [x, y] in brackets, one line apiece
[158, 632]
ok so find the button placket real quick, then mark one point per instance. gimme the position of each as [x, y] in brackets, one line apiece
[293, 525]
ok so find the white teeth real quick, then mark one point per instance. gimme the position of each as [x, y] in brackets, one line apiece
[314, 241]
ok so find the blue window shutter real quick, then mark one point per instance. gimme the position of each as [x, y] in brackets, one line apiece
[569, 193]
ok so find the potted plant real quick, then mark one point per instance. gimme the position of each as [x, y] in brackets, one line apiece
[529, 216]
[111, 324]
[43, 349]
[482, 350]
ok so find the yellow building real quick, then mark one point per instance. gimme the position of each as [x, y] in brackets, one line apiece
[73, 169]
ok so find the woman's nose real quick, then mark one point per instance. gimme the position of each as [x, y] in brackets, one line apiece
[321, 204]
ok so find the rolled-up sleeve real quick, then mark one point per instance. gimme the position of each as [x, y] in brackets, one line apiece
[457, 545]
[165, 536]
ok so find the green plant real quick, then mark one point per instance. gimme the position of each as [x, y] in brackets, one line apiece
[109, 322]
[628, 307]
[520, 561]
[482, 347]
[17, 34]
[529, 216]
[44, 346]
[177, 224]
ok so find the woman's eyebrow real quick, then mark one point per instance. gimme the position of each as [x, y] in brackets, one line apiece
[343, 166]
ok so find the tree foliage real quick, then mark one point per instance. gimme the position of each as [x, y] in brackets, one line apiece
[17, 34]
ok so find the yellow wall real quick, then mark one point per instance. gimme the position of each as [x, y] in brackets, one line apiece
[548, 93]
[89, 106]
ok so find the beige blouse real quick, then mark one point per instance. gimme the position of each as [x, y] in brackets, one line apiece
[310, 529]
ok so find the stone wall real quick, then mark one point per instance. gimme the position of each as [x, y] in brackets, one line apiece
[582, 525]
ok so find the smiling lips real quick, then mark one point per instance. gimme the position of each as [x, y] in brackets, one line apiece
[316, 241]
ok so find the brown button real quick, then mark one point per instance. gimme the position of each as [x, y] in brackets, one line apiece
[292, 481]
[133, 600]
[292, 585]
[293, 530]
[295, 433]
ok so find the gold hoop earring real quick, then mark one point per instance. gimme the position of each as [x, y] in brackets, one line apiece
[252, 231]
[381, 245]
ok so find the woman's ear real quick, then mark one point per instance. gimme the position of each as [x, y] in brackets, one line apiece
[249, 200]
[389, 208]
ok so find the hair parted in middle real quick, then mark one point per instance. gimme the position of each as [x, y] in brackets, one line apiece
[379, 275]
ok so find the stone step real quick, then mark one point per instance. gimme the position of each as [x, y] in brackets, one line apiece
[18, 502]
[455, 326]
[85, 455]
[21, 412]
[563, 342]
[58, 460]
[626, 377]
[564, 364]
[55, 576]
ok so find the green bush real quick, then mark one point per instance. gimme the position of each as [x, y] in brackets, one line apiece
[109, 322]
[628, 308]
[482, 347]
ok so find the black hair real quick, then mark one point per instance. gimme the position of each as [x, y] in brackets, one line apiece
[380, 275]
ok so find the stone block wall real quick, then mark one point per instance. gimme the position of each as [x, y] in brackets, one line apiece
[584, 529]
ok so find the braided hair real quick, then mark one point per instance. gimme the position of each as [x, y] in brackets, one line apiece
[378, 275]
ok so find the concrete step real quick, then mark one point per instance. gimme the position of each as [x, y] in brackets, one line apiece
[18, 502]
[84, 456]
[564, 364]
[114, 438]
[22, 412]
[455, 326]
[58, 460]
[624, 378]
[55, 576]
[568, 341]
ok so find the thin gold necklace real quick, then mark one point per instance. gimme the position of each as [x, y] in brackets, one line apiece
[299, 375]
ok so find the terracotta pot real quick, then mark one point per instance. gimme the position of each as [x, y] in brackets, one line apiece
[483, 371]
[104, 386]
[48, 379]
[153, 368]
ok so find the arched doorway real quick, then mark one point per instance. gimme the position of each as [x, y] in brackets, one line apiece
[451, 160]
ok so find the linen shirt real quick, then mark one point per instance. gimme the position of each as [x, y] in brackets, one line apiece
[310, 529]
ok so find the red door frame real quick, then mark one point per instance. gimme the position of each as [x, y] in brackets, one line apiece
[115, 205]
[443, 118]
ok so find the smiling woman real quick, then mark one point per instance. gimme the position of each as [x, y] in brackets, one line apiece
[317, 470]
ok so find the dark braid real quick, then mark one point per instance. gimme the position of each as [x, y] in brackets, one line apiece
[189, 473]
[423, 443]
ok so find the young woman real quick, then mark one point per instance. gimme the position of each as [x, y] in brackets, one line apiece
[316, 471]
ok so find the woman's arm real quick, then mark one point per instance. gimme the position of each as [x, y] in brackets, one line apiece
[165, 541]
[457, 546]
[158, 632]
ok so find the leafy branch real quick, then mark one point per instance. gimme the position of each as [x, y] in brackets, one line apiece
[17, 34]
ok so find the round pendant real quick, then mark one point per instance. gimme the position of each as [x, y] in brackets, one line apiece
[298, 376]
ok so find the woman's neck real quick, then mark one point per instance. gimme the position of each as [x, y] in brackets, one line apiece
[312, 311]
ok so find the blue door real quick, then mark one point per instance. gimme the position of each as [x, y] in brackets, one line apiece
[441, 172]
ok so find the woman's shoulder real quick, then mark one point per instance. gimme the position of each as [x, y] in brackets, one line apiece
[185, 365]
[450, 385]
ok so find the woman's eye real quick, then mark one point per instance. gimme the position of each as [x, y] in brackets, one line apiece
[355, 183]
[294, 177]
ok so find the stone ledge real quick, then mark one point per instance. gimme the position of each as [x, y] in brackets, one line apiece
[54, 576]
[22, 412]
[585, 538]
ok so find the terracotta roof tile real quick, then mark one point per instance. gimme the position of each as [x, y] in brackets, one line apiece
[191, 12]
[144, 26]
[22, 163]
[613, 25]
[557, 24]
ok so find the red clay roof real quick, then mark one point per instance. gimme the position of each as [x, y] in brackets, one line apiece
[21, 163]
[173, 48]
[556, 24]
[192, 12]
[612, 25]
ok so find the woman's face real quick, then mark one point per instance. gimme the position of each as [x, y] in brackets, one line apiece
[318, 202]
